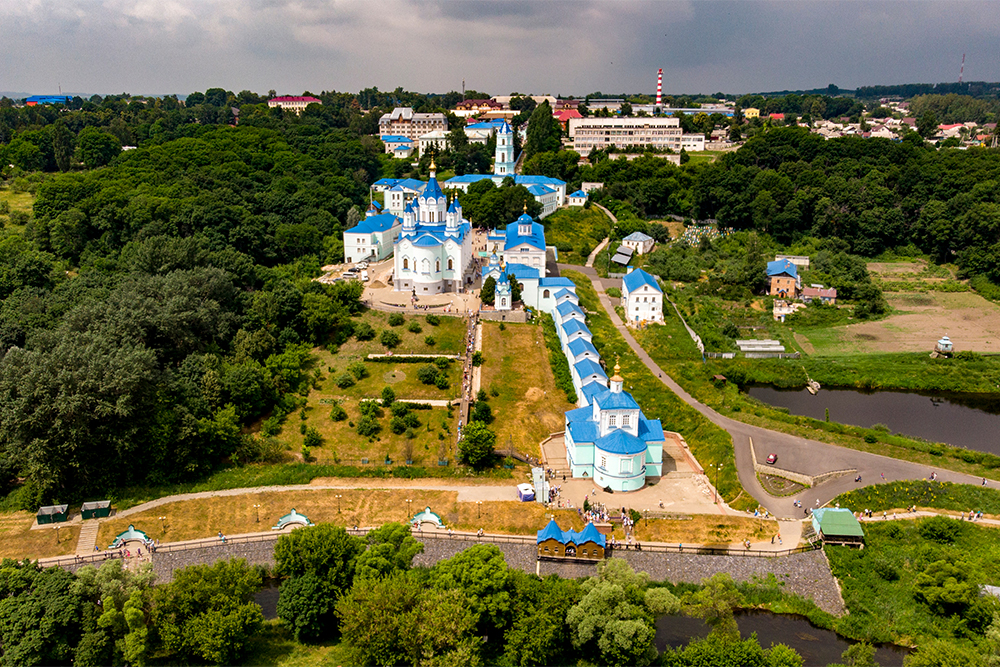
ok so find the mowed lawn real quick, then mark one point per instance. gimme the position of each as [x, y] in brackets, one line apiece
[17, 540]
[233, 515]
[529, 406]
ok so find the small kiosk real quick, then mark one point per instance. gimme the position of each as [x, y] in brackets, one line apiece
[52, 514]
[98, 509]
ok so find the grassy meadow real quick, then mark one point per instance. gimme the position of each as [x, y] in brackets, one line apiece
[576, 232]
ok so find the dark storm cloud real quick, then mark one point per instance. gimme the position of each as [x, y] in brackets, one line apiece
[548, 46]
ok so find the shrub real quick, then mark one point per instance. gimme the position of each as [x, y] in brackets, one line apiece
[396, 320]
[389, 338]
[399, 409]
[429, 341]
[482, 413]
[4, 207]
[358, 370]
[306, 454]
[338, 413]
[433, 320]
[442, 382]
[313, 438]
[481, 395]
[613, 292]
[870, 438]
[503, 327]
[388, 396]
[410, 434]
[302, 428]
[411, 420]
[271, 426]
[397, 425]
[370, 409]
[939, 529]
[368, 427]
[345, 380]
[427, 374]
[414, 327]
[19, 218]
[477, 358]
[442, 362]
[364, 331]
[557, 359]
[885, 569]
[494, 391]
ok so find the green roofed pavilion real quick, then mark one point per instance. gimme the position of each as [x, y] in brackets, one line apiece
[130, 535]
[838, 525]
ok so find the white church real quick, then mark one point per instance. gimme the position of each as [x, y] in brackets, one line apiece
[433, 253]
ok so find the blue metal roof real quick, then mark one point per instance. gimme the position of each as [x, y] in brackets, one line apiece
[572, 326]
[581, 346]
[565, 292]
[538, 180]
[521, 271]
[637, 236]
[590, 391]
[633, 280]
[567, 308]
[552, 531]
[432, 190]
[779, 266]
[583, 432]
[556, 282]
[467, 178]
[591, 534]
[579, 193]
[536, 239]
[395, 138]
[579, 414]
[587, 367]
[650, 430]
[611, 400]
[504, 128]
[539, 190]
[374, 223]
[588, 534]
[620, 442]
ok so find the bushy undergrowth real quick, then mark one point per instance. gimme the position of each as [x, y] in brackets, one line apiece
[557, 359]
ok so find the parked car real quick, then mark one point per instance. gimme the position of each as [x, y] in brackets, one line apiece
[361, 265]
[772, 459]
[364, 276]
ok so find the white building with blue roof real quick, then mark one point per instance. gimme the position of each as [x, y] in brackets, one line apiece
[550, 192]
[373, 238]
[394, 141]
[433, 253]
[642, 298]
[578, 198]
[611, 441]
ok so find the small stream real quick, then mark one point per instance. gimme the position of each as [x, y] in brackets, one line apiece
[816, 646]
[963, 420]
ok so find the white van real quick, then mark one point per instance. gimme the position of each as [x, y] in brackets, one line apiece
[364, 276]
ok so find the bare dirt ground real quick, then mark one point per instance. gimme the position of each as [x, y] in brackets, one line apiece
[971, 321]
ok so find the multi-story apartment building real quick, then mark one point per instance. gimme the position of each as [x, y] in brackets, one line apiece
[404, 122]
[659, 132]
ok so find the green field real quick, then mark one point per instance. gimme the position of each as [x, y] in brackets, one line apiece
[576, 232]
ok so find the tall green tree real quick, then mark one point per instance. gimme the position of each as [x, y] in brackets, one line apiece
[477, 444]
[543, 133]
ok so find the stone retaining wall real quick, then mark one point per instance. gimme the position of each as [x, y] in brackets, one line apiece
[255, 553]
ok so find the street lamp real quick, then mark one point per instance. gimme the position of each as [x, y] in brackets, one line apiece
[408, 501]
[646, 512]
[479, 509]
[56, 527]
[256, 508]
[718, 469]
[338, 497]
[163, 528]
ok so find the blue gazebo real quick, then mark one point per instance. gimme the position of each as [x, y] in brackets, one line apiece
[293, 518]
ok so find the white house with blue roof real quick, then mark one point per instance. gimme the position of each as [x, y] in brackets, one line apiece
[611, 441]
[373, 238]
[642, 298]
[394, 141]
[578, 198]
[550, 192]
[639, 242]
[581, 349]
[433, 253]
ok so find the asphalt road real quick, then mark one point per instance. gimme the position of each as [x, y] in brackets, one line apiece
[801, 455]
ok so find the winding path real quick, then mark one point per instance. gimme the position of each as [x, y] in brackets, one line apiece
[802, 455]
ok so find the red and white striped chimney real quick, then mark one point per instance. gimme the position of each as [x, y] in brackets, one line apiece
[659, 87]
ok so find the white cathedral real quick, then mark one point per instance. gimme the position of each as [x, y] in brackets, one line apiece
[433, 253]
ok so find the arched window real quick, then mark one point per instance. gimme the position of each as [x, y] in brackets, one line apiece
[425, 266]
[437, 266]
[406, 264]
[451, 264]
[503, 301]
[545, 294]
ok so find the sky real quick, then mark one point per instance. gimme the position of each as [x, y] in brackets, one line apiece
[558, 47]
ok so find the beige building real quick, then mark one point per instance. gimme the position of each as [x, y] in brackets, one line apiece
[751, 112]
[587, 134]
[296, 104]
[404, 122]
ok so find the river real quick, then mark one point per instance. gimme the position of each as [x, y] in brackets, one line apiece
[816, 646]
[963, 420]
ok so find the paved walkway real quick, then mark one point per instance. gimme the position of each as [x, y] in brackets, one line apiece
[809, 457]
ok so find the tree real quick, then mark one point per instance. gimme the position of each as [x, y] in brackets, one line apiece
[307, 605]
[482, 575]
[388, 396]
[543, 132]
[391, 549]
[389, 338]
[206, 614]
[324, 549]
[488, 293]
[62, 145]
[715, 602]
[97, 148]
[927, 124]
[374, 618]
[478, 442]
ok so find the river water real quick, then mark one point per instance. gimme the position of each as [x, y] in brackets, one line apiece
[962, 420]
[817, 647]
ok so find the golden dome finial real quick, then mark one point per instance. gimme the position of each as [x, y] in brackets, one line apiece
[618, 369]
